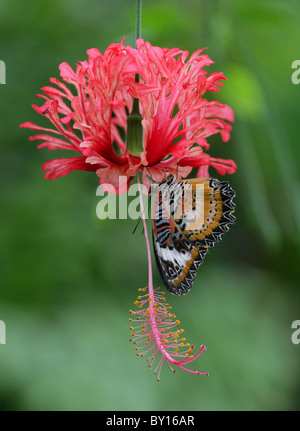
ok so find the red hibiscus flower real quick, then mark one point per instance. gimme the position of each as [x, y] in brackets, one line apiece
[92, 119]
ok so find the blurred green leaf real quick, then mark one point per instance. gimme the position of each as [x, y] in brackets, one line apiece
[68, 279]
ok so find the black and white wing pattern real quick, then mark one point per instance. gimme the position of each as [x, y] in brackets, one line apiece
[189, 217]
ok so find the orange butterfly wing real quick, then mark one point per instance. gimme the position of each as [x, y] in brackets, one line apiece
[189, 217]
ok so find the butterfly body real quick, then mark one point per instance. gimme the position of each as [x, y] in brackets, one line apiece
[189, 217]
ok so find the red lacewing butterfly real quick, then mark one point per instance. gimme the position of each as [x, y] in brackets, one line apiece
[189, 217]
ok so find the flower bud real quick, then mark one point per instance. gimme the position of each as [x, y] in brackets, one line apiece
[134, 142]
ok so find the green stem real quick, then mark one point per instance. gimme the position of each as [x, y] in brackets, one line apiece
[134, 140]
[138, 21]
[138, 33]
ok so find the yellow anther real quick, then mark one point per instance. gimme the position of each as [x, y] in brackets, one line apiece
[136, 302]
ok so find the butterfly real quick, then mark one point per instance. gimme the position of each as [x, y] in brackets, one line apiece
[189, 217]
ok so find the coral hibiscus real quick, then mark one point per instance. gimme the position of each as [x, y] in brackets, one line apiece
[92, 120]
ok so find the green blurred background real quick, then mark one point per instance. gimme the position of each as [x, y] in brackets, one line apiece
[69, 279]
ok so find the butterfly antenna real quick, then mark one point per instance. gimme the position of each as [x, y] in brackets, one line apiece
[140, 218]
[163, 169]
[136, 226]
[150, 178]
[177, 172]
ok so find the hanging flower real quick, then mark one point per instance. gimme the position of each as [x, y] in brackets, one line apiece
[91, 119]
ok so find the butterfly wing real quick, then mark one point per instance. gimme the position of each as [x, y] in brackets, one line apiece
[190, 216]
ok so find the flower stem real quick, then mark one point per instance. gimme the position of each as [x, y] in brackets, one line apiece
[138, 21]
[134, 120]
